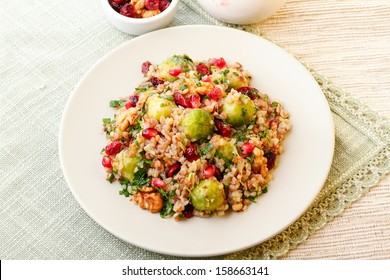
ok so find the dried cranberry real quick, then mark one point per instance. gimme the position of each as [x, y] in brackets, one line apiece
[164, 5]
[224, 130]
[181, 100]
[145, 67]
[188, 211]
[247, 148]
[128, 10]
[250, 91]
[119, 2]
[218, 174]
[173, 169]
[209, 171]
[158, 183]
[107, 162]
[134, 99]
[156, 81]
[113, 148]
[191, 153]
[202, 69]
[152, 4]
[215, 94]
[175, 71]
[219, 62]
[195, 101]
[271, 158]
[149, 133]
[115, 5]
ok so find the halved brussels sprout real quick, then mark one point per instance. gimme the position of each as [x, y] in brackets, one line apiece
[238, 112]
[226, 151]
[177, 61]
[231, 77]
[126, 165]
[197, 124]
[208, 195]
[160, 105]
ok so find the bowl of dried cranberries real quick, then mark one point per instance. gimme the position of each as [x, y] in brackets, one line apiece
[139, 16]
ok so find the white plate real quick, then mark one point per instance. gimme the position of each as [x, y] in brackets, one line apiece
[302, 169]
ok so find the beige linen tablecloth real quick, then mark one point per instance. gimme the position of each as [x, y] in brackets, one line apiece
[349, 42]
[47, 46]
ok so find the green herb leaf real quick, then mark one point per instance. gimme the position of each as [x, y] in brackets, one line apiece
[251, 158]
[265, 190]
[117, 103]
[107, 121]
[183, 87]
[167, 97]
[141, 89]
[206, 149]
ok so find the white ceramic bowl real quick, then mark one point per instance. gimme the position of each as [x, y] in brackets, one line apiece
[241, 11]
[138, 26]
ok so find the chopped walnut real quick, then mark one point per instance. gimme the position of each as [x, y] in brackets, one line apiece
[149, 201]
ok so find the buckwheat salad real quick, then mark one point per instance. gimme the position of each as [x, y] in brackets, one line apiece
[194, 139]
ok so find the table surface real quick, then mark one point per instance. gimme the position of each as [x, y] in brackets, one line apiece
[347, 41]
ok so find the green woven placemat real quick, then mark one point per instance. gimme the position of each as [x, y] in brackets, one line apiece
[39, 67]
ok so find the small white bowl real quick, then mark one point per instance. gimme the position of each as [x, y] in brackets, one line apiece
[138, 26]
[241, 11]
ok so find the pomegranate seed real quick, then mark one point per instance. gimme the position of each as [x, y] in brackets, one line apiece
[107, 162]
[152, 4]
[271, 158]
[156, 81]
[113, 148]
[272, 123]
[145, 67]
[247, 148]
[149, 133]
[250, 91]
[181, 100]
[195, 101]
[173, 169]
[219, 62]
[128, 10]
[188, 211]
[215, 94]
[158, 183]
[206, 79]
[191, 153]
[202, 69]
[225, 131]
[209, 171]
[175, 71]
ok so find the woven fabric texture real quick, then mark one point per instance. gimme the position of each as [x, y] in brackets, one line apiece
[47, 46]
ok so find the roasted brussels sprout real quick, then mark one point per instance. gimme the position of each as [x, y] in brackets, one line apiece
[208, 195]
[231, 77]
[126, 165]
[226, 151]
[173, 66]
[239, 112]
[160, 105]
[197, 124]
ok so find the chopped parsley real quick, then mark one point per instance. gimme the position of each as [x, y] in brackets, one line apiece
[206, 149]
[251, 158]
[244, 111]
[141, 89]
[275, 104]
[241, 136]
[167, 97]
[167, 209]
[117, 103]
[183, 87]
[264, 134]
